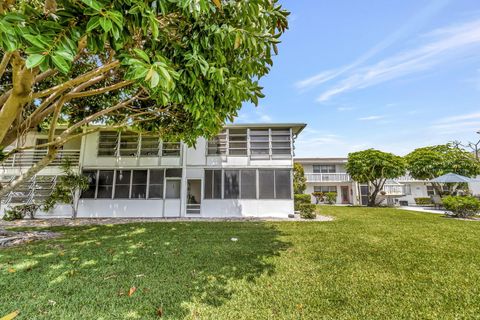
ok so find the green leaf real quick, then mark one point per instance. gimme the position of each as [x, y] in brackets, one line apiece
[37, 41]
[34, 60]
[93, 23]
[60, 63]
[65, 54]
[142, 55]
[106, 24]
[154, 80]
[93, 4]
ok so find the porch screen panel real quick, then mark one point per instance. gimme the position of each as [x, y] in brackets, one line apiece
[266, 182]
[92, 184]
[231, 184]
[139, 184]
[283, 184]
[155, 189]
[213, 184]
[150, 146]
[129, 144]
[281, 142]
[107, 144]
[248, 188]
[105, 184]
[122, 184]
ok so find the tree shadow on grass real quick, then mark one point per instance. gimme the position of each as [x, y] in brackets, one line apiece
[174, 267]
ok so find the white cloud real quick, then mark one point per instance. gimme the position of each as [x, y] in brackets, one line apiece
[469, 116]
[447, 43]
[371, 118]
[417, 20]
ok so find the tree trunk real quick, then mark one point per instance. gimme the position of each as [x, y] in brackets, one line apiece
[22, 80]
[372, 198]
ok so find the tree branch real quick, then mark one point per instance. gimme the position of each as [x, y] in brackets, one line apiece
[4, 62]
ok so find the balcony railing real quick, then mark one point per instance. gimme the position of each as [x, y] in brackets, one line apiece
[406, 178]
[328, 177]
[394, 190]
[29, 157]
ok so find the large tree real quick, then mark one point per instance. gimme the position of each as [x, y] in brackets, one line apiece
[177, 68]
[374, 167]
[431, 162]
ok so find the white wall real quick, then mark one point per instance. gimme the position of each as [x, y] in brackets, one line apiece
[246, 208]
[109, 208]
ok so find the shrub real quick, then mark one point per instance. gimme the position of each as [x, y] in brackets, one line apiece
[307, 210]
[318, 196]
[331, 197]
[423, 201]
[462, 206]
[20, 211]
[301, 199]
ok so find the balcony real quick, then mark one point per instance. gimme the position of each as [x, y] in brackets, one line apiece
[328, 177]
[29, 157]
[394, 190]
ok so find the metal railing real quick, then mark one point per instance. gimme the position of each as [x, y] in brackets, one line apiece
[29, 157]
[328, 177]
[394, 190]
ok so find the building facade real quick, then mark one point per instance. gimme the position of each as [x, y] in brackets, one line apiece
[329, 175]
[246, 171]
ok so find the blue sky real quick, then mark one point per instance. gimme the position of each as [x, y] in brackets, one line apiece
[393, 75]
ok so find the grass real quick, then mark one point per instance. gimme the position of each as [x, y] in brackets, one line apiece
[367, 264]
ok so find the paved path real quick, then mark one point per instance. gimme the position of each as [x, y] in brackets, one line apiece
[422, 209]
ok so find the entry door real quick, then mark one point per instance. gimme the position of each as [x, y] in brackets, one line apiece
[364, 191]
[172, 198]
[194, 196]
[345, 196]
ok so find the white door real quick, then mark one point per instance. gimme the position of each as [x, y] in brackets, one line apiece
[172, 198]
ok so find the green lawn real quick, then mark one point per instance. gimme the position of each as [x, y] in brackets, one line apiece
[367, 264]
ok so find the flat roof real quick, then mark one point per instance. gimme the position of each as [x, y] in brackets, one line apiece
[296, 127]
[320, 160]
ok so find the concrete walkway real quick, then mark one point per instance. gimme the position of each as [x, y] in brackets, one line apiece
[423, 209]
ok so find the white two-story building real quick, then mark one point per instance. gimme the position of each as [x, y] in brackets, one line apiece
[245, 171]
[329, 175]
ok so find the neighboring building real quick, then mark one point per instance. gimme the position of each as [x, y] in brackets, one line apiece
[245, 171]
[329, 175]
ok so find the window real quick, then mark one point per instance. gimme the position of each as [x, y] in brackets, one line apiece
[431, 190]
[231, 184]
[266, 183]
[218, 144]
[172, 189]
[107, 144]
[105, 184]
[155, 189]
[171, 149]
[150, 146]
[237, 142]
[282, 184]
[281, 142]
[259, 143]
[248, 189]
[128, 144]
[92, 184]
[324, 189]
[324, 168]
[213, 184]
[122, 184]
[139, 184]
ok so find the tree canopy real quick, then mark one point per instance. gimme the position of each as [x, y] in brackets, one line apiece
[174, 68]
[374, 167]
[430, 162]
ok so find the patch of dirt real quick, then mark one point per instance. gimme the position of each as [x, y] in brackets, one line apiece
[12, 238]
[52, 222]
